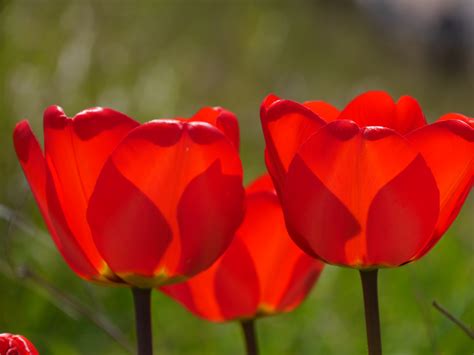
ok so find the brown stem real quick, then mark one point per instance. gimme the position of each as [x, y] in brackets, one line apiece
[250, 335]
[142, 300]
[371, 305]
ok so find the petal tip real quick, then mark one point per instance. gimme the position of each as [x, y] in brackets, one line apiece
[267, 102]
[203, 132]
[91, 110]
[343, 129]
[374, 95]
[164, 133]
[221, 118]
[459, 117]
[459, 127]
[54, 117]
[21, 139]
[227, 121]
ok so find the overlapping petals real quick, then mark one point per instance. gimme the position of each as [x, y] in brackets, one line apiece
[62, 179]
[371, 186]
[262, 272]
[224, 120]
[11, 344]
[286, 125]
[120, 199]
[377, 108]
[448, 149]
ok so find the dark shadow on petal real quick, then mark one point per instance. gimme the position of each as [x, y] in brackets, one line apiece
[209, 212]
[163, 133]
[89, 123]
[317, 219]
[24, 141]
[343, 130]
[54, 117]
[202, 134]
[305, 273]
[236, 284]
[402, 215]
[128, 228]
[227, 122]
[182, 293]
[458, 127]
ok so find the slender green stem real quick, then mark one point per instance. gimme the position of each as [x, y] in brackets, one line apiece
[142, 302]
[250, 335]
[465, 328]
[371, 303]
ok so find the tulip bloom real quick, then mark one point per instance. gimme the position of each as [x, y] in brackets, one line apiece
[262, 272]
[353, 183]
[138, 205]
[11, 344]
[370, 186]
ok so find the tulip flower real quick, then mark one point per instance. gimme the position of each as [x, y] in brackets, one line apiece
[262, 272]
[11, 344]
[136, 205]
[368, 187]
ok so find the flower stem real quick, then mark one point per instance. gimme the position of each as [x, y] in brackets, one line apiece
[371, 303]
[469, 331]
[141, 300]
[250, 335]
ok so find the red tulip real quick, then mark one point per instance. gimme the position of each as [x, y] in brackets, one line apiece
[11, 344]
[136, 204]
[369, 186]
[262, 273]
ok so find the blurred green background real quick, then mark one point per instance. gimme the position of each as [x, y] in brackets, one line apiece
[154, 59]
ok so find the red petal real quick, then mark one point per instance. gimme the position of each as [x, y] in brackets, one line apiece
[193, 178]
[339, 174]
[401, 215]
[448, 148]
[286, 125]
[458, 116]
[267, 102]
[272, 171]
[377, 108]
[244, 277]
[317, 220]
[83, 260]
[78, 147]
[183, 293]
[114, 209]
[11, 344]
[264, 233]
[32, 161]
[373, 108]
[409, 115]
[229, 289]
[305, 273]
[236, 283]
[209, 212]
[224, 120]
[4, 344]
[262, 184]
[76, 150]
[198, 294]
[324, 110]
[34, 166]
